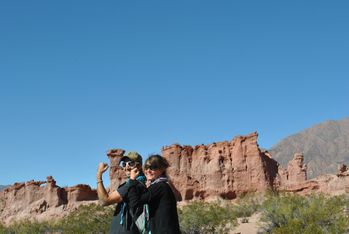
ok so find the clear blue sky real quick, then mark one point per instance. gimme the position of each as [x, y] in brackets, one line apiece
[81, 77]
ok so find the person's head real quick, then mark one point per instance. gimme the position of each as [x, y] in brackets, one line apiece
[155, 166]
[130, 161]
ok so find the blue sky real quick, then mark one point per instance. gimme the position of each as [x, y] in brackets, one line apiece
[81, 77]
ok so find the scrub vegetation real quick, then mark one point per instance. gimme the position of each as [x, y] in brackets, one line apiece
[279, 213]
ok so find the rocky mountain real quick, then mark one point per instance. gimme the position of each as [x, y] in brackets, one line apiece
[325, 146]
[3, 187]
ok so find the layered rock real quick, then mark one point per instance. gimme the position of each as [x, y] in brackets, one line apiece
[116, 173]
[294, 179]
[80, 192]
[41, 200]
[232, 169]
[223, 169]
[44, 200]
[296, 172]
[334, 184]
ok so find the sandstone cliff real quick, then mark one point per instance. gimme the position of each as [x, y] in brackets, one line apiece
[223, 169]
[41, 200]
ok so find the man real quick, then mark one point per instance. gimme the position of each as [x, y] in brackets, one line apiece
[124, 196]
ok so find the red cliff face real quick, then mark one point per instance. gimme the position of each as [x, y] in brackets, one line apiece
[116, 174]
[223, 169]
[231, 169]
[41, 199]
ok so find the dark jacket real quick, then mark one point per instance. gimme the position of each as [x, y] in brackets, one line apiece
[162, 208]
[122, 222]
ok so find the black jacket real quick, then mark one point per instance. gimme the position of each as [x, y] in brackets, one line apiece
[130, 196]
[162, 208]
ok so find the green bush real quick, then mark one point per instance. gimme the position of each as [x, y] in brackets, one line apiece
[2, 228]
[284, 214]
[200, 217]
[314, 214]
[246, 206]
[26, 226]
[86, 219]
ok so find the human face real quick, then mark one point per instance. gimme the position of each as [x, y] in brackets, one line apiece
[152, 172]
[128, 165]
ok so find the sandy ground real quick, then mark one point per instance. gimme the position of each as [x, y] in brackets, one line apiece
[252, 227]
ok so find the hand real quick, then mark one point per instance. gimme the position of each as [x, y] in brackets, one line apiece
[102, 167]
[134, 173]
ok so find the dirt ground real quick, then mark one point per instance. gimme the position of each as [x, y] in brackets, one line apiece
[251, 227]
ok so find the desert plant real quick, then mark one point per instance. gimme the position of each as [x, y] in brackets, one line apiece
[201, 217]
[246, 206]
[314, 214]
[86, 219]
[26, 226]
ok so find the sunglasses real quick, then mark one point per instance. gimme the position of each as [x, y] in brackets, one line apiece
[152, 167]
[124, 164]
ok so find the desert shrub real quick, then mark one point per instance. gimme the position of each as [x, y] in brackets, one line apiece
[26, 226]
[246, 206]
[2, 228]
[86, 219]
[314, 214]
[201, 217]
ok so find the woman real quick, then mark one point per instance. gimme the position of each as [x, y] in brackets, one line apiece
[163, 215]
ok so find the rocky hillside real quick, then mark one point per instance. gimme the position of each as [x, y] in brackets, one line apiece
[325, 146]
[2, 187]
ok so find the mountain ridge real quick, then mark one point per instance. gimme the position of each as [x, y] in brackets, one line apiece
[325, 146]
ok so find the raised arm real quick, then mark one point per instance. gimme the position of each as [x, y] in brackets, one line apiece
[104, 198]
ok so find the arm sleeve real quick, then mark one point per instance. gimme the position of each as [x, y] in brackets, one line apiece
[151, 193]
[133, 196]
[122, 190]
[147, 195]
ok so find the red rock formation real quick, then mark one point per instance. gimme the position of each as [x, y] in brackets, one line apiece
[80, 192]
[223, 169]
[116, 174]
[334, 184]
[297, 170]
[41, 199]
[295, 174]
[294, 179]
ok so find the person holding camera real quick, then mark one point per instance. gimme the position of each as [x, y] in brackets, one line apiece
[124, 196]
[163, 216]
